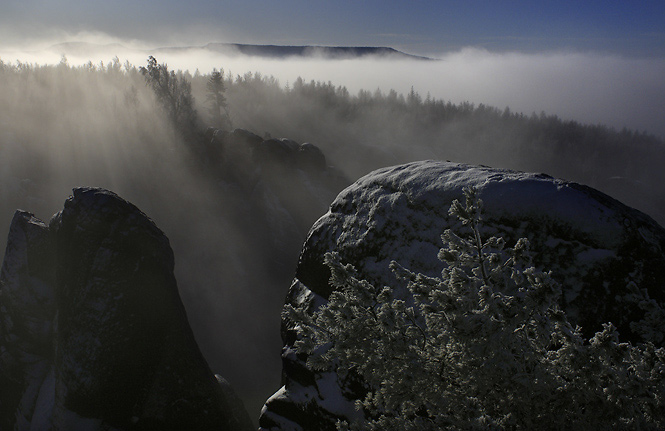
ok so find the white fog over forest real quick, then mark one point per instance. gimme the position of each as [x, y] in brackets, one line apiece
[87, 114]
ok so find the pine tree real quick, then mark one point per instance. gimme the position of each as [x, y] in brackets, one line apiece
[484, 346]
[174, 92]
[219, 110]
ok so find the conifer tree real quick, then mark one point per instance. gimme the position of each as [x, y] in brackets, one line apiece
[484, 346]
[174, 92]
[219, 110]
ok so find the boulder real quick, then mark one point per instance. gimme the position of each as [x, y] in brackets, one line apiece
[276, 151]
[116, 350]
[594, 245]
[310, 158]
[245, 138]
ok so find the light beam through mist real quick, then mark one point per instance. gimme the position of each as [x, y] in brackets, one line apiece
[99, 125]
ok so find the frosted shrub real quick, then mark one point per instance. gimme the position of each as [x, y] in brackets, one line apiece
[485, 346]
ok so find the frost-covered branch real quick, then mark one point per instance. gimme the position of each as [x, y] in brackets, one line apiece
[483, 346]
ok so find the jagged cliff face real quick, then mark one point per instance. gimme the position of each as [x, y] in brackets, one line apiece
[594, 245]
[93, 332]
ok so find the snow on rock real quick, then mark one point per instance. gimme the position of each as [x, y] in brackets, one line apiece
[115, 347]
[594, 245]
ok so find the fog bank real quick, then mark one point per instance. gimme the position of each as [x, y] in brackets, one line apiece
[591, 88]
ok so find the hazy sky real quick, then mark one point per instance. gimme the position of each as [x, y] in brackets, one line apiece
[418, 26]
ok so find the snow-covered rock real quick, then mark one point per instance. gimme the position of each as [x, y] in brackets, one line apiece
[594, 245]
[94, 335]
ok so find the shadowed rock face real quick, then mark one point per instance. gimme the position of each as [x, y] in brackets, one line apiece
[27, 310]
[282, 186]
[594, 245]
[108, 336]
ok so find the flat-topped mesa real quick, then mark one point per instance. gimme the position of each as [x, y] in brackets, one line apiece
[121, 352]
[594, 245]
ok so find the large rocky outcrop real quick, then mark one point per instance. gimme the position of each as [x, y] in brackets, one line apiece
[283, 185]
[593, 244]
[94, 335]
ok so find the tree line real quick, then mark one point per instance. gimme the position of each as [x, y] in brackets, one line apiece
[370, 129]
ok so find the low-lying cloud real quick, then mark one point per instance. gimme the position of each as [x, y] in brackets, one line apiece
[590, 88]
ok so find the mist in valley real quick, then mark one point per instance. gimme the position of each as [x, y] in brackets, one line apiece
[589, 87]
[79, 122]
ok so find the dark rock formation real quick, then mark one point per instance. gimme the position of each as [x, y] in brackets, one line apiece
[247, 235]
[27, 310]
[281, 182]
[220, 148]
[94, 335]
[310, 158]
[282, 151]
[244, 137]
[593, 244]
